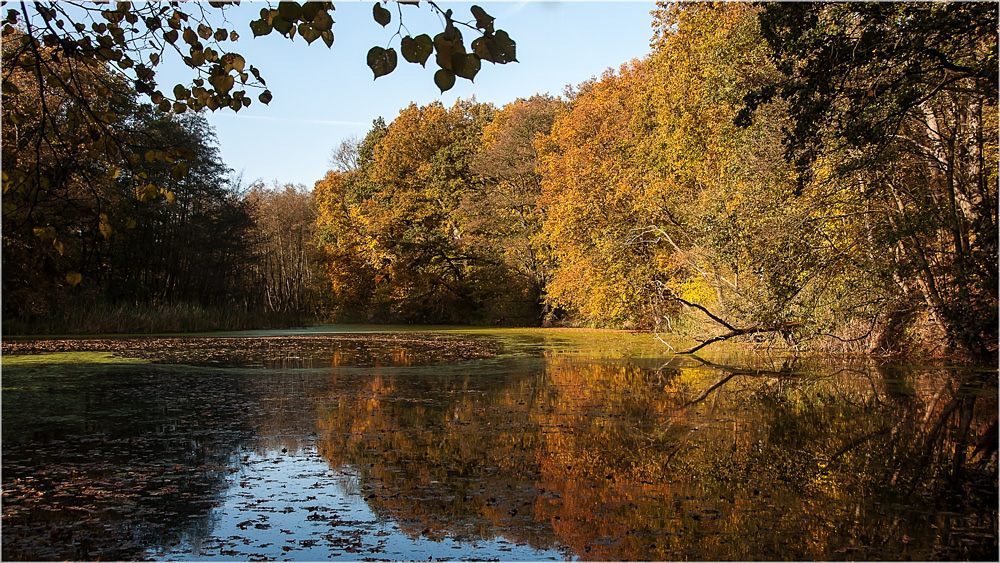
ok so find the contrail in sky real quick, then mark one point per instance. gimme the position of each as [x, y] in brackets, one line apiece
[268, 118]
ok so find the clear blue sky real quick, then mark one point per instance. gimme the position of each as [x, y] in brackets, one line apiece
[322, 96]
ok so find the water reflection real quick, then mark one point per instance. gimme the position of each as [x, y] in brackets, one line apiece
[624, 461]
[533, 457]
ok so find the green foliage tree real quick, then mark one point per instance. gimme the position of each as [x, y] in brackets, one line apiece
[398, 211]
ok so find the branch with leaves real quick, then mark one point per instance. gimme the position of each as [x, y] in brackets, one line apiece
[493, 45]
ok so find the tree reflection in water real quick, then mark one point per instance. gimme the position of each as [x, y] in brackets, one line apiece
[593, 457]
[624, 461]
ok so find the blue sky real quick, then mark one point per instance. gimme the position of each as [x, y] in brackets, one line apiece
[322, 96]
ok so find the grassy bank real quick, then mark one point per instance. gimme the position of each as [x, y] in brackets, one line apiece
[149, 319]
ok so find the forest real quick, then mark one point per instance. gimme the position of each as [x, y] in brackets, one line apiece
[818, 176]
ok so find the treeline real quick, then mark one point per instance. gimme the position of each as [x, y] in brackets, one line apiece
[786, 171]
[169, 243]
[821, 174]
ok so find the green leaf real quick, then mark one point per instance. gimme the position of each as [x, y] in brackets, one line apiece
[260, 27]
[507, 48]
[282, 25]
[444, 79]
[417, 49]
[381, 15]
[446, 45]
[484, 21]
[465, 65]
[381, 61]
[289, 11]
[308, 32]
[179, 171]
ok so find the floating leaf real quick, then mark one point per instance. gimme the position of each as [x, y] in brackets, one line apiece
[74, 278]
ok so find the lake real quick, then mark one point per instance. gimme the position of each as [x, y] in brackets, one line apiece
[364, 443]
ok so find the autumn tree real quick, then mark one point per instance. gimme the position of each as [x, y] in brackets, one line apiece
[503, 214]
[662, 213]
[593, 175]
[897, 104]
[73, 57]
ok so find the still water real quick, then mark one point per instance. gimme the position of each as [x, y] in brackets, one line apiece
[487, 445]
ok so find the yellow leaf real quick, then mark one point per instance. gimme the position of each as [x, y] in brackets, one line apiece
[146, 192]
[45, 233]
[74, 278]
[59, 246]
